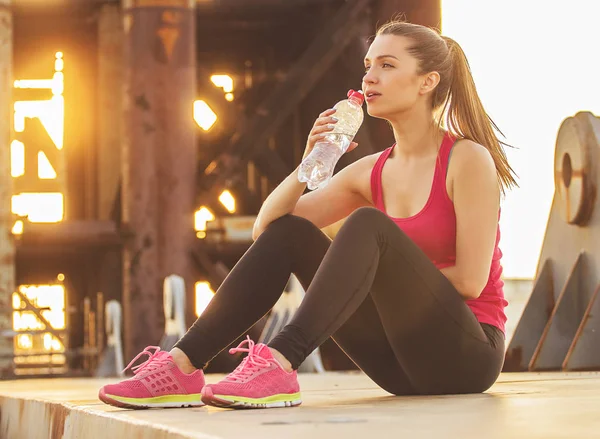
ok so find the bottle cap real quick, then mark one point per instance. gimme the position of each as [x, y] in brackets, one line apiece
[356, 95]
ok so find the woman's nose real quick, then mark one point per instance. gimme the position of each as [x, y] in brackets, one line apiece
[369, 78]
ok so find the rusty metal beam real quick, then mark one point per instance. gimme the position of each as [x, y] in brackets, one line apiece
[110, 107]
[424, 12]
[280, 104]
[267, 161]
[226, 4]
[203, 261]
[202, 5]
[251, 200]
[159, 161]
[74, 234]
[270, 164]
[248, 202]
[7, 248]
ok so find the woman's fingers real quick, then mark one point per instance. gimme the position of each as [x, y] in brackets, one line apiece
[325, 121]
[322, 129]
[324, 124]
[327, 112]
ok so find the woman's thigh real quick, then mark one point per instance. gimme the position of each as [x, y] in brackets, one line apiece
[364, 340]
[434, 335]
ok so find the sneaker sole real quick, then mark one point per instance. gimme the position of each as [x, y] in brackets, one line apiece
[237, 402]
[169, 401]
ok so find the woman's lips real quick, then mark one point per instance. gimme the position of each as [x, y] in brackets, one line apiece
[372, 96]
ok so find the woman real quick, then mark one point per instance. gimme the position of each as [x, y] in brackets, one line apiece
[410, 288]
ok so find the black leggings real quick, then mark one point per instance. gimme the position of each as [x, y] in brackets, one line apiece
[372, 290]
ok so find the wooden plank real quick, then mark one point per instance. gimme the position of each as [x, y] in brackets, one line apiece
[563, 323]
[584, 353]
[532, 323]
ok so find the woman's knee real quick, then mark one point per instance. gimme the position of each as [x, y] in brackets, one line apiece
[366, 216]
[368, 220]
[290, 225]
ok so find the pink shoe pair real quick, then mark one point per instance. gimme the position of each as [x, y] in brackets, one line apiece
[258, 382]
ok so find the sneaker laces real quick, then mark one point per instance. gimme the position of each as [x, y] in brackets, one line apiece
[250, 364]
[156, 360]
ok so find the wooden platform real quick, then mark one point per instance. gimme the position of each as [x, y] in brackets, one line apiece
[342, 405]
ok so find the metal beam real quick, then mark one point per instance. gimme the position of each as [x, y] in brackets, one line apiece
[159, 160]
[237, 4]
[110, 111]
[279, 105]
[270, 164]
[267, 161]
[252, 201]
[201, 4]
[38, 313]
[202, 260]
[75, 234]
[7, 247]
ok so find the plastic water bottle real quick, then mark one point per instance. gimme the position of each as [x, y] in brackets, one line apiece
[317, 168]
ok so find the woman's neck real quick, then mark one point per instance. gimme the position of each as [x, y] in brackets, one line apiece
[416, 134]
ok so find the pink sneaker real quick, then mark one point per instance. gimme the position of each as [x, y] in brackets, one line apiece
[157, 382]
[258, 382]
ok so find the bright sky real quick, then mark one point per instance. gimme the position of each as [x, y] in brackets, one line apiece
[535, 62]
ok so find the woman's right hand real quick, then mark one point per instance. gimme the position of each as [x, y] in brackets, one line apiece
[324, 124]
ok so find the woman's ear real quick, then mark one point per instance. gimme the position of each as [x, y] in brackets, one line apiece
[430, 82]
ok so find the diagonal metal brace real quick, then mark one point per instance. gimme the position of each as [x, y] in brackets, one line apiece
[202, 260]
[30, 307]
[279, 105]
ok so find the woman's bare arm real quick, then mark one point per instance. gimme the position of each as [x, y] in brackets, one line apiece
[345, 192]
[476, 197]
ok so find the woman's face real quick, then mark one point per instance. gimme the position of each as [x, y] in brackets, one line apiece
[391, 84]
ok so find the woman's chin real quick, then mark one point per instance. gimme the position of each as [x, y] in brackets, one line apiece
[373, 111]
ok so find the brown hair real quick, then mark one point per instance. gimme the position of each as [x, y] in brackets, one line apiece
[455, 98]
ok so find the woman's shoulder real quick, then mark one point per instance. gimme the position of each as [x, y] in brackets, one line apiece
[471, 164]
[466, 153]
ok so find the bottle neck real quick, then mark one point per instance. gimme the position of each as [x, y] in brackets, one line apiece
[355, 101]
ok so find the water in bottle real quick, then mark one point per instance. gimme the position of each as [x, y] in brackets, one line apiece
[317, 168]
